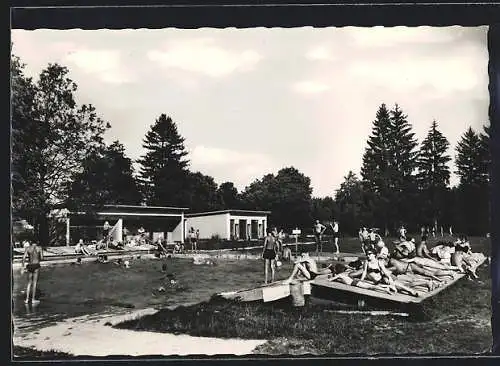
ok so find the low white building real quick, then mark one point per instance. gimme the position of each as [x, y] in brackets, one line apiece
[228, 224]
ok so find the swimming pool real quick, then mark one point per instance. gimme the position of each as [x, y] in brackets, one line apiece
[69, 290]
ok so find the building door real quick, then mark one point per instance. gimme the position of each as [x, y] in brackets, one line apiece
[243, 230]
[261, 230]
[254, 234]
[231, 229]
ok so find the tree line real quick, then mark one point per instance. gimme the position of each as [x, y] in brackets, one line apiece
[59, 157]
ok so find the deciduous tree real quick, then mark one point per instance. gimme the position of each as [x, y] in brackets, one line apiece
[53, 135]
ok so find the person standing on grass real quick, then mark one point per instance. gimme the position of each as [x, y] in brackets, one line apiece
[191, 237]
[194, 239]
[335, 228]
[319, 229]
[269, 253]
[34, 255]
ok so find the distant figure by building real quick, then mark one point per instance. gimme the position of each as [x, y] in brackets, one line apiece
[192, 238]
[319, 229]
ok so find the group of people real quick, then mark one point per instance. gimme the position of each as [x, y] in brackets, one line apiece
[319, 230]
[409, 268]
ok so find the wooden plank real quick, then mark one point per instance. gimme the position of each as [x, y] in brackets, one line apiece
[273, 293]
[266, 293]
[320, 282]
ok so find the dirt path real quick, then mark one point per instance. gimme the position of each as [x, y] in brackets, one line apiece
[93, 336]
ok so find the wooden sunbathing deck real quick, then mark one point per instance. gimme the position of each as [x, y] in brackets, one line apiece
[333, 289]
[323, 288]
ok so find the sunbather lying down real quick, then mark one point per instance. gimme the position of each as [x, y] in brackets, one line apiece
[81, 248]
[307, 268]
[375, 276]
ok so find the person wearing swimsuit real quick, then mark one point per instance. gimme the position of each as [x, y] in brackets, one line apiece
[319, 229]
[375, 271]
[308, 268]
[34, 255]
[269, 253]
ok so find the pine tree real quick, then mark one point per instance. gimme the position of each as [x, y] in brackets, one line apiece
[376, 171]
[472, 195]
[433, 177]
[470, 159]
[485, 139]
[403, 166]
[163, 171]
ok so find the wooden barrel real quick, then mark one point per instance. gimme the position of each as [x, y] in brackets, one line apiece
[297, 294]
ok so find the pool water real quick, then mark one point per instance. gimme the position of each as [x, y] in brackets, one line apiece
[69, 290]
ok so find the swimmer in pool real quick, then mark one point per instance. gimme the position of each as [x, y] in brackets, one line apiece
[34, 255]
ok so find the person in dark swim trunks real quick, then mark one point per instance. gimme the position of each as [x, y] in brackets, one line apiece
[34, 255]
[269, 253]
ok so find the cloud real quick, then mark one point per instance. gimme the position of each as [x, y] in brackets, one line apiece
[445, 74]
[241, 168]
[319, 53]
[106, 64]
[203, 56]
[310, 87]
[392, 36]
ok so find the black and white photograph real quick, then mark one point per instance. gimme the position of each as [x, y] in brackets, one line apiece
[250, 192]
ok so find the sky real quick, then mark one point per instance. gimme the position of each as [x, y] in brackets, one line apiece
[251, 101]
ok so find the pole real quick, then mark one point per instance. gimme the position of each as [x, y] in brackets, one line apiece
[296, 244]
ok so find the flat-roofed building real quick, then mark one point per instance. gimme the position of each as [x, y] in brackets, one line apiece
[228, 224]
[89, 220]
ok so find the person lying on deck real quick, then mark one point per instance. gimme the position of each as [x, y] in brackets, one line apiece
[422, 266]
[81, 248]
[466, 261]
[443, 252]
[422, 251]
[463, 245]
[344, 275]
[405, 249]
[116, 245]
[307, 267]
[375, 271]
[405, 271]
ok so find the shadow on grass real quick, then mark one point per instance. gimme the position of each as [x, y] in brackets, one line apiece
[455, 321]
[26, 353]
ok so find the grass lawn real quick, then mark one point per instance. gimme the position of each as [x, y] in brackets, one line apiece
[457, 320]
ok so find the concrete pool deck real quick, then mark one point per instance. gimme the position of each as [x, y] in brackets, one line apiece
[92, 335]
